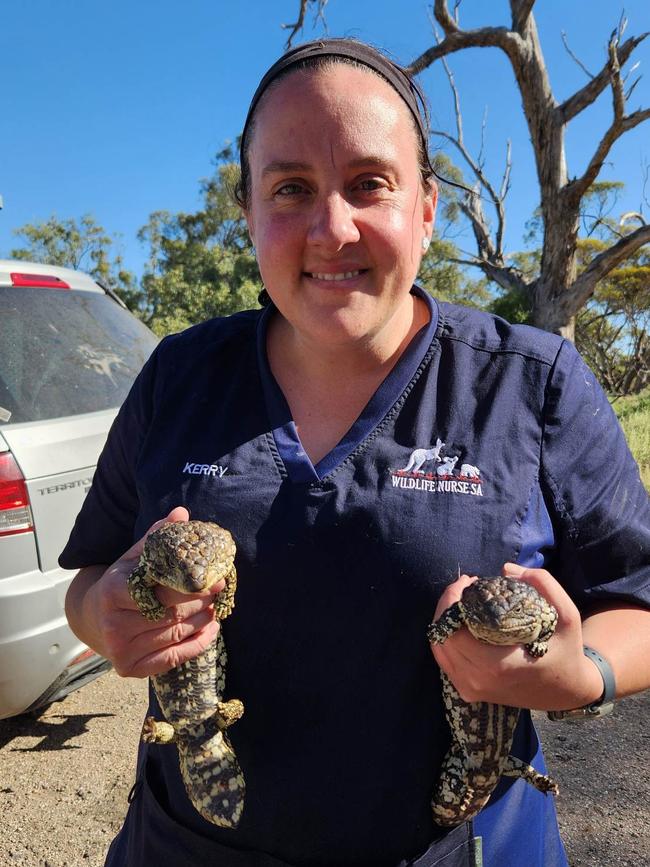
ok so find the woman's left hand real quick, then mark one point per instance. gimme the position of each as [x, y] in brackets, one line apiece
[563, 678]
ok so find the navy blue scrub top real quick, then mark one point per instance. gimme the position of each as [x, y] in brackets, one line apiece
[341, 565]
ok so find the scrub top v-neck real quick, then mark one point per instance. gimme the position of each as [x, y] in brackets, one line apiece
[287, 440]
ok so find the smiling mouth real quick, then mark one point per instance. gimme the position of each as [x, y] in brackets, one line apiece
[343, 275]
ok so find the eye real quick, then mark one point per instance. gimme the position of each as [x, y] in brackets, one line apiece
[369, 185]
[290, 189]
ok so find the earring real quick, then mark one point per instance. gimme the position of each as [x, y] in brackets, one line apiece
[425, 243]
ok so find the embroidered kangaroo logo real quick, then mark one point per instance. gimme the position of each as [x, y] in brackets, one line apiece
[421, 456]
[445, 470]
[442, 478]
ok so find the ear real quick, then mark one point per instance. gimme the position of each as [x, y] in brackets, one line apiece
[429, 206]
[250, 225]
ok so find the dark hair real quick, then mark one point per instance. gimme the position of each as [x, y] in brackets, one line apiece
[324, 54]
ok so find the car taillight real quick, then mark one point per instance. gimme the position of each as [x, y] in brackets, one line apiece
[47, 281]
[86, 654]
[15, 513]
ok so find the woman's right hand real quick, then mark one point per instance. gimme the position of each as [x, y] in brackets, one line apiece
[102, 614]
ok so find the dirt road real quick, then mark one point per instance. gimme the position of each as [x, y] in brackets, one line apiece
[65, 777]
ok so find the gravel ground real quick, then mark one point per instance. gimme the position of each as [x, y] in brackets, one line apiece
[66, 776]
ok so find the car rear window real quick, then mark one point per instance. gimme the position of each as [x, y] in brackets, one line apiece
[66, 352]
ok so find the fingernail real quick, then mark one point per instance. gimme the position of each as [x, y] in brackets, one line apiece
[512, 570]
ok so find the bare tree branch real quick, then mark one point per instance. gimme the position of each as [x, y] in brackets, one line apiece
[300, 23]
[507, 278]
[521, 10]
[646, 178]
[296, 26]
[500, 205]
[606, 261]
[480, 159]
[618, 91]
[472, 206]
[632, 86]
[320, 13]
[457, 39]
[628, 216]
[577, 188]
[473, 210]
[621, 122]
[505, 183]
[575, 57]
[447, 21]
[592, 90]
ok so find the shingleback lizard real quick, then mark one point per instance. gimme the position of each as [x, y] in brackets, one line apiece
[496, 611]
[192, 556]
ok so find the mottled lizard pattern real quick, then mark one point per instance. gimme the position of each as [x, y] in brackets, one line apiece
[189, 557]
[496, 611]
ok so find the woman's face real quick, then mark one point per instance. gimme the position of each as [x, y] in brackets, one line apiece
[337, 212]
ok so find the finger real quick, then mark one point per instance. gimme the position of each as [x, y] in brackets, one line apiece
[548, 587]
[452, 593]
[169, 634]
[136, 623]
[164, 659]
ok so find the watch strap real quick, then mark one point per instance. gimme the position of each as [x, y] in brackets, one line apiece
[605, 704]
[606, 672]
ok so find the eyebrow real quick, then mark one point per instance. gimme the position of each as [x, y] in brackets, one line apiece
[295, 166]
[284, 166]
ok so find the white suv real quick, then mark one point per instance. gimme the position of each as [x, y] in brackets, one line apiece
[69, 351]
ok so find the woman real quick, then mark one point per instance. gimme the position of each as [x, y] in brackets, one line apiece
[328, 417]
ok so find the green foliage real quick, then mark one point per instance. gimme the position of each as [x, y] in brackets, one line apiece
[445, 280]
[596, 208]
[613, 330]
[82, 245]
[200, 265]
[513, 306]
[634, 415]
[202, 283]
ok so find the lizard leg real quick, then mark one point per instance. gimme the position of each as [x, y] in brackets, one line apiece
[228, 712]
[514, 767]
[539, 647]
[158, 732]
[225, 601]
[448, 622]
[141, 590]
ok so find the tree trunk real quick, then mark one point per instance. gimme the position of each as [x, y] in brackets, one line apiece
[554, 305]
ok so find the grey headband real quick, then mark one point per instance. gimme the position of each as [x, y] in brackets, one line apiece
[353, 50]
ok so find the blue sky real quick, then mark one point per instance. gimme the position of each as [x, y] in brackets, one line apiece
[117, 109]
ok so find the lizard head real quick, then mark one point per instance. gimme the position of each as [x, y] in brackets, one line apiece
[189, 556]
[506, 611]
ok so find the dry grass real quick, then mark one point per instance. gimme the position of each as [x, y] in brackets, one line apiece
[634, 414]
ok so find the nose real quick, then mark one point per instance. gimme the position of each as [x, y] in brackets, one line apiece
[333, 224]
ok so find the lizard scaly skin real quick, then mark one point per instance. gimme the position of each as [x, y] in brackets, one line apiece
[191, 556]
[496, 611]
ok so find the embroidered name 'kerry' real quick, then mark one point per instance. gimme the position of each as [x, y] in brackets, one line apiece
[215, 470]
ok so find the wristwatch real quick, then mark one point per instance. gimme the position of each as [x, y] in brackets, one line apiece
[605, 703]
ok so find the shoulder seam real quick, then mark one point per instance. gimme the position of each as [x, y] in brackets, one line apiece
[498, 349]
